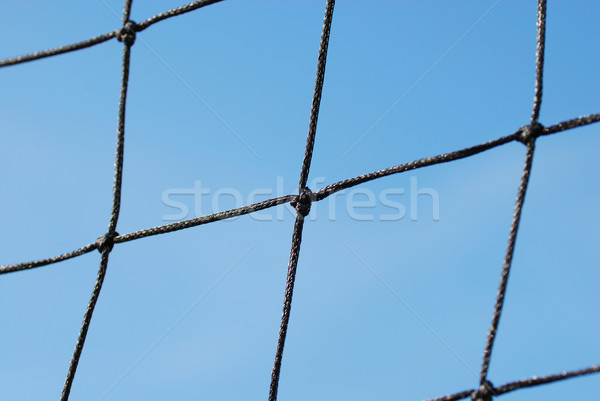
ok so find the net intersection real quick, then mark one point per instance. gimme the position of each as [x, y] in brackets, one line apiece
[302, 202]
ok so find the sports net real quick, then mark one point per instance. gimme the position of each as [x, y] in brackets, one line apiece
[302, 201]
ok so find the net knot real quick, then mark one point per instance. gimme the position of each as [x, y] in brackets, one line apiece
[303, 201]
[530, 133]
[127, 33]
[106, 242]
[485, 392]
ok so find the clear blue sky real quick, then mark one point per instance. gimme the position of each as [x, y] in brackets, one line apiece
[352, 336]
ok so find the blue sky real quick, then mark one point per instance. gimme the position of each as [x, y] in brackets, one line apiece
[222, 96]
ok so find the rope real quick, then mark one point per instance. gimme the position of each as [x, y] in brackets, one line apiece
[303, 201]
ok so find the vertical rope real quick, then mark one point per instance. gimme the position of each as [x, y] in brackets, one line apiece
[85, 326]
[539, 65]
[287, 305]
[304, 200]
[512, 238]
[126, 11]
[105, 243]
[316, 103]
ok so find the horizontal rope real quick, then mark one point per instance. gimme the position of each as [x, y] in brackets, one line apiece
[319, 195]
[175, 12]
[107, 36]
[454, 397]
[59, 50]
[536, 381]
[524, 383]
[43, 262]
[205, 219]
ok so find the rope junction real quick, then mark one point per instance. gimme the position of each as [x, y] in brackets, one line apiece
[303, 201]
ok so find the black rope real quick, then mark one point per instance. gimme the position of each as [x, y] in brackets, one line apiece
[105, 243]
[570, 124]
[126, 11]
[287, 305]
[175, 12]
[539, 64]
[512, 238]
[488, 389]
[58, 50]
[109, 35]
[87, 318]
[527, 137]
[453, 397]
[536, 381]
[303, 201]
[318, 195]
[43, 262]
[316, 103]
[180, 225]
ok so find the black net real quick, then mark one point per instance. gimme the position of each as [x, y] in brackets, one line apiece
[526, 135]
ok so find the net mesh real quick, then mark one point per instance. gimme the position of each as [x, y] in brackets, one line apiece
[302, 201]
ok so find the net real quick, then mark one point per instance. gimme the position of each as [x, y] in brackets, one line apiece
[302, 201]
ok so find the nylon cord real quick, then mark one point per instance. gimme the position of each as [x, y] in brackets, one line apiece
[302, 202]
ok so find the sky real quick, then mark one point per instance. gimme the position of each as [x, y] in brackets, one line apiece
[397, 278]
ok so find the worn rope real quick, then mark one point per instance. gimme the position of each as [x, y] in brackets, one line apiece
[318, 195]
[107, 36]
[507, 261]
[527, 137]
[519, 384]
[539, 64]
[303, 201]
[106, 242]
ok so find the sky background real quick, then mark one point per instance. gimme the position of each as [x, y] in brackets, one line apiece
[352, 335]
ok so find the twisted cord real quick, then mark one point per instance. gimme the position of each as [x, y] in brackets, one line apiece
[127, 11]
[428, 161]
[118, 178]
[528, 137]
[175, 12]
[107, 36]
[454, 397]
[87, 318]
[106, 242]
[287, 305]
[58, 50]
[316, 102]
[180, 225]
[318, 195]
[536, 381]
[519, 384]
[43, 262]
[539, 55]
[304, 200]
[570, 124]
[507, 260]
